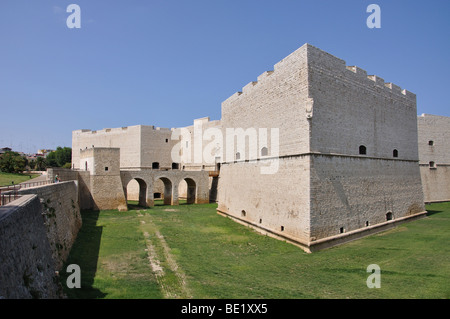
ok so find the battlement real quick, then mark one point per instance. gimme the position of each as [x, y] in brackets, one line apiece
[120, 130]
[317, 58]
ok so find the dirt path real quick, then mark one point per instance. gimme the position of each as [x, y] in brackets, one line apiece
[169, 275]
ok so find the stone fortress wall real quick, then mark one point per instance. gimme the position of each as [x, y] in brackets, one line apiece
[346, 159]
[352, 189]
[147, 147]
[37, 232]
[434, 156]
[349, 158]
[278, 203]
[326, 112]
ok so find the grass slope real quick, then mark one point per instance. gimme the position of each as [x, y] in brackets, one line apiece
[7, 179]
[199, 254]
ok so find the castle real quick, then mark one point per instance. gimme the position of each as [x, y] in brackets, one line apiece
[314, 152]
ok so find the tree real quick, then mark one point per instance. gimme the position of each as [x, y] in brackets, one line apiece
[60, 157]
[12, 162]
[51, 160]
[63, 156]
[41, 164]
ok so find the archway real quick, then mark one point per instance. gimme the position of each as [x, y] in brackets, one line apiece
[167, 190]
[188, 190]
[136, 191]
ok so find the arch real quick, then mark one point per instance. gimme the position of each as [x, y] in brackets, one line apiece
[395, 153]
[136, 189]
[188, 189]
[167, 190]
[362, 150]
[191, 191]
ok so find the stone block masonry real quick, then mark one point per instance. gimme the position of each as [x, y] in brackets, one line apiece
[348, 155]
[61, 213]
[105, 183]
[27, 269]
[37, 232]
[344, 147]
[434, 156]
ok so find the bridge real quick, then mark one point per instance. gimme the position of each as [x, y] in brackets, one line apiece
[197, 185]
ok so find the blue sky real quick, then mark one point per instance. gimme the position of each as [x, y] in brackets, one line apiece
[167, 62]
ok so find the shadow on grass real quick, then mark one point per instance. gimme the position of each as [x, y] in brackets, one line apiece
[85, 253]
[134, 205]
[432, 212]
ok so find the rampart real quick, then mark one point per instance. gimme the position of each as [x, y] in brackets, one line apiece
[37, 232]
[434, 151]
[140, 145]
[347, 141]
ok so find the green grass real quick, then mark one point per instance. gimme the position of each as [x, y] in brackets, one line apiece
[218, 258]
[7, 179]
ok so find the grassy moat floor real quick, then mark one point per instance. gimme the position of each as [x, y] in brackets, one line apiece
[189, 251]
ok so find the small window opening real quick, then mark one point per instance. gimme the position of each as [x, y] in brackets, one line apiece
[432, 164]
[175, 165]
[243, 213]
[431, 143]
[395, 153]
[155, 165]
[167, 140]
[362, 150]
[282, 228]
[238, 155]
[341, 230]
[260, 221]
[264, 151]
[389, 216]
[106, 168]
[367, 223]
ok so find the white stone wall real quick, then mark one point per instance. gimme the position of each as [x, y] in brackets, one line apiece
[324, 111]
[350, 191]
[353, 193]
[105, 183]
[352, 109]
[200, 147]
[434, 130]
[156, 145]
[279, 99]
[276, 202]
[128, 139]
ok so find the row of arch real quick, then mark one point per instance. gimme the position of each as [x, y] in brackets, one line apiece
[162, 188]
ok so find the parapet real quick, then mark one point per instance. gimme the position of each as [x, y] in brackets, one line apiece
[315, 57]
[121, 129]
